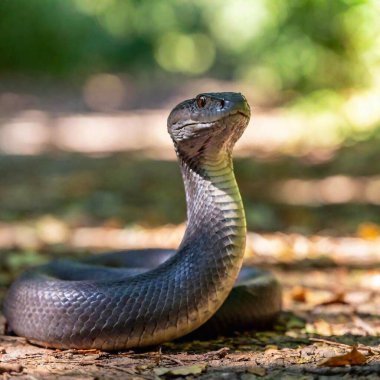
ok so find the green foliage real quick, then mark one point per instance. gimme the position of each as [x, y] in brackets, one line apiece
[302, 45]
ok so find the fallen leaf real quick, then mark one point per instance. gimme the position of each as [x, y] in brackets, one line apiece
[10, 367]
[221, 353]
[368, 231]
[270, 349]
[321, 327]
[180, 371]
[298, 294]
[259, 371]
[339, 298]
[354, 357]
[318, 297]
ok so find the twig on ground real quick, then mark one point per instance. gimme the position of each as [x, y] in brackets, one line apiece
[117, 368]
[175, 360]
[360, 346]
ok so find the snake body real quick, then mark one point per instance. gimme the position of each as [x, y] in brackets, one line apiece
[90, 305]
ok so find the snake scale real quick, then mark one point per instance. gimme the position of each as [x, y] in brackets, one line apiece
[158, 295]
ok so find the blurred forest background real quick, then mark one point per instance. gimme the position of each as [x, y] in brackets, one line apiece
[85, 89]
[86, 164]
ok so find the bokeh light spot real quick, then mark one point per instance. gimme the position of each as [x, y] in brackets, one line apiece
[236, 23]
[117, 20]
[26, 134]
[363, 110]
[189, 54]
[104, 92]
[93, 7]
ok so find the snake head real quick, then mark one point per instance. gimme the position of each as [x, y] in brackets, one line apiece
[214, 120]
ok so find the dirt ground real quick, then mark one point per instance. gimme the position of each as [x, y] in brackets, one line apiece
[322, 319]
[331, 282]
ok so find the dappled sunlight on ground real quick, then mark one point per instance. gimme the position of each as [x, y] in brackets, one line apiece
[330, 190]
[97, 124]
[36, 132]
[49, 233]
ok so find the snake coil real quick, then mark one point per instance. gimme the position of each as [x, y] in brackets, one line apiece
[90, 305]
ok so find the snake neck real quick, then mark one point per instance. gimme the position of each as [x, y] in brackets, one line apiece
[216, 220]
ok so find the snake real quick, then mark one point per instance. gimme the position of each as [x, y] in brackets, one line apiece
[142, 298]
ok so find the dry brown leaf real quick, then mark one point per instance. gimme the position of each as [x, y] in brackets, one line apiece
[221, 353]
[298, 294]
[321, 327]
[368, 231]
[258, 371]
[354, 357]
[180, 371]
[311, 297]
[10, 367]
[339, 298]
[271, 349]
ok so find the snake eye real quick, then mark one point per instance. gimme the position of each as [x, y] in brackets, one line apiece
[201, 101]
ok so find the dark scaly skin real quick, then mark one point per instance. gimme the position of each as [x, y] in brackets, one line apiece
[69, 305]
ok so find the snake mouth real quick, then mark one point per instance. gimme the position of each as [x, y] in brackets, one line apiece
[210, 124]
[197, 129]
[245, 113]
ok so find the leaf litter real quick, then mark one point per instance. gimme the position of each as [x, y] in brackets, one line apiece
[331, 283]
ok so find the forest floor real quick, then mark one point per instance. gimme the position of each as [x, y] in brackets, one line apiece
[327, 257]
[328, 312]
[315, 214]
